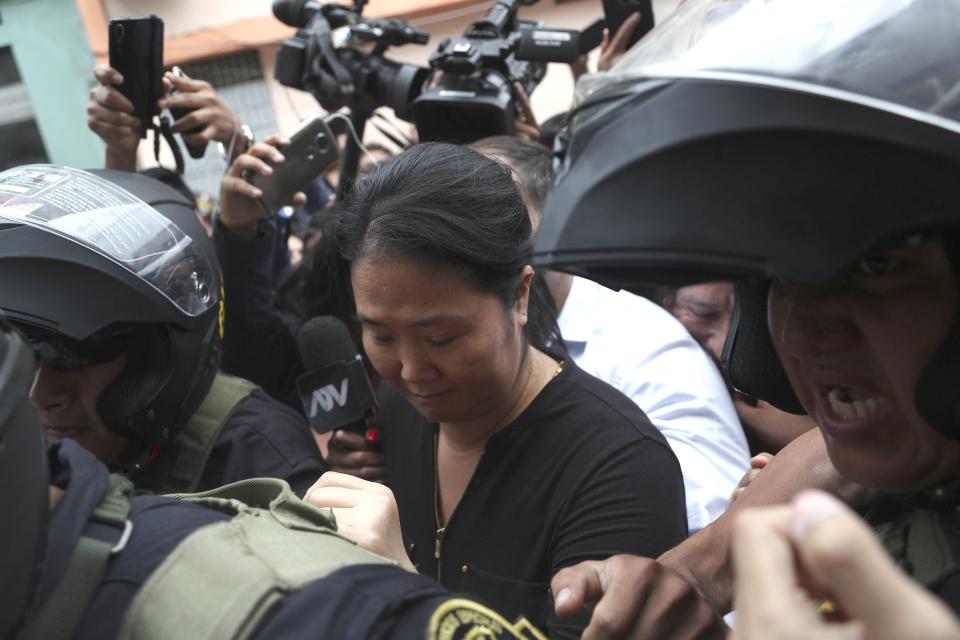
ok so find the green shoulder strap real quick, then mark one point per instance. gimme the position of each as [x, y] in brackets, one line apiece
[62, 612]
[224, 579]
[198, 436]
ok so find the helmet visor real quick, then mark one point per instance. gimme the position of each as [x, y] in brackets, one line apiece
[897, 55]
[95, 213]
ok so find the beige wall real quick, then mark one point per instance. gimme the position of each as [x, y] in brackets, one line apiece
[181, 17]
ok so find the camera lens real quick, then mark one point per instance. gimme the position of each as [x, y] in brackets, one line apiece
[119, 32]
[323, 142]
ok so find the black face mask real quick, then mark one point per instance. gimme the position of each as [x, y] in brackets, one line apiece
[24, 496]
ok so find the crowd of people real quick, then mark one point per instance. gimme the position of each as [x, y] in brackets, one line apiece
[682, 370]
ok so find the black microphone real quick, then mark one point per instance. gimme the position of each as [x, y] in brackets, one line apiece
[295, 13]
[335, 390]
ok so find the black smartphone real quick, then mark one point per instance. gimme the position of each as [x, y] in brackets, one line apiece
[312, 149]
[592, 36]
[617, 11]
[196, 151]
[136, 51]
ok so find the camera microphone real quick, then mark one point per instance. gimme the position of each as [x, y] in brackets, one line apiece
[335, 390]
[295, 13]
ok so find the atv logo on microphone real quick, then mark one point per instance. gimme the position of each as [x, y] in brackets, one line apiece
[336, 396]
[325, 397]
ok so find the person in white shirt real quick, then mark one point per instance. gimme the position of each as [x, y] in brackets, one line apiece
[642, 350]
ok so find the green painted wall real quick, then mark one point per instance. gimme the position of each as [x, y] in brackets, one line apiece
[55, 62]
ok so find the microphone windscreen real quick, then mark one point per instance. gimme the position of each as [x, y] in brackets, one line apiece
[324, 340]
[295, 13]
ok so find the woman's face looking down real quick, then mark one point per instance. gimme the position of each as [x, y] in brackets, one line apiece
[455, 352]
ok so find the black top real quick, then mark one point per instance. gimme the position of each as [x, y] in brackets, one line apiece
[362, 601]
[580, 475]
[264, 438]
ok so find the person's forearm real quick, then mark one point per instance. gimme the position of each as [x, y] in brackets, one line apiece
[704, 558]
[121, 160]
[770, 429]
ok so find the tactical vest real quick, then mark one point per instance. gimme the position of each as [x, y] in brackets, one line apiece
[224, 580]
[191, 449]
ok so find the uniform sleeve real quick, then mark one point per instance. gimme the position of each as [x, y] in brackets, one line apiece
[257, 344]
[631, 500]
[374, 602]
[265, 438]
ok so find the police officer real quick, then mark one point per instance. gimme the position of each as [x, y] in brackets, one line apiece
[812, 153]
[82, 558]
[117, 288]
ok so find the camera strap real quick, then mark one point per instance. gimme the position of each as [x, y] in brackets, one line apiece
[163, 130]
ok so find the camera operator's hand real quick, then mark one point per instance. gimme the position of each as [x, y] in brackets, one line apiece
[366, 513]
[636, 598]
[350, 453]
[240, 207]
[612, 50]
[110, 116]
[207, 110]
[784, 556]
[526, 125]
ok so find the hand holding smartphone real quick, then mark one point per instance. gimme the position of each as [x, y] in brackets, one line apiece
[136, 51]
[312, 149]
[196, 151]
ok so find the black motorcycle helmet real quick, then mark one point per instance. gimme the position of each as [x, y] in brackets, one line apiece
[24, 498]
[96, 264]
[759, 139]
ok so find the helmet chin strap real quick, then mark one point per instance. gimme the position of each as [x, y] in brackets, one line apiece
[749, 357]
[124, 406]
[936, 393]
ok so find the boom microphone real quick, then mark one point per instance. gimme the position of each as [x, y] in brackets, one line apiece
[335, 390]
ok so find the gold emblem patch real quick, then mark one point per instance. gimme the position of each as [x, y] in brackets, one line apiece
[221, 313]
[461, 619]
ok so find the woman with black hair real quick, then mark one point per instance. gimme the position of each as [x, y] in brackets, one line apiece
[507, 461]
